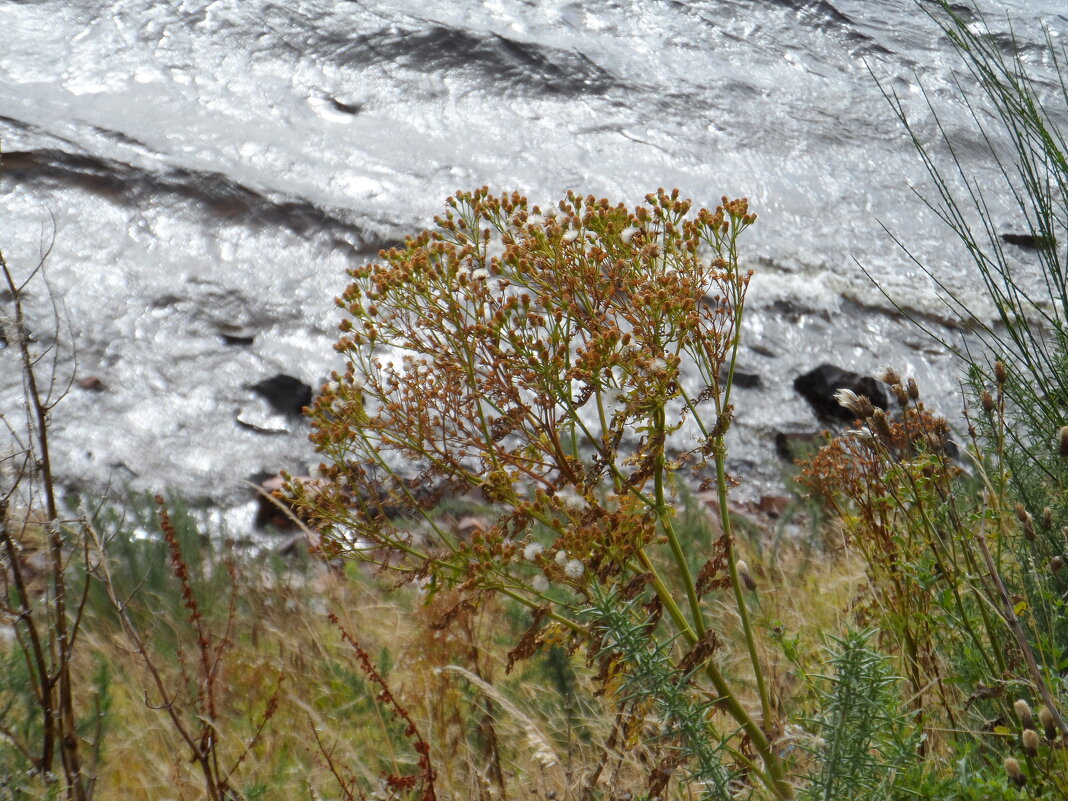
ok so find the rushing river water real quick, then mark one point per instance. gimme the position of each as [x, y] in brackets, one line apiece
[202, 173]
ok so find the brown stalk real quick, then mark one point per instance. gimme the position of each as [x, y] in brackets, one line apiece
[53, 671]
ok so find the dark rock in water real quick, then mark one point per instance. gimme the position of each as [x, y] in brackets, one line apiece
[235, 339]
[791, 447]
[271, 511]
[1029, 241]
[284, 393]
[818, 387]
[743, 380]
[746, 380]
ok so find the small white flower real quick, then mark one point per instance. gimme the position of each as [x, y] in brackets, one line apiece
[531, 551]
[561, 557]
[574, 569]
[658, 364]
[626, 234]
[332, 386]
[480, 274]
[540, 583]
[570, 235]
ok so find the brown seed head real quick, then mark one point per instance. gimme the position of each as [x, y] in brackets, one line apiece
[999, 372]
[857, 404]
[744, 575]
[1012, 767]
[887, 375]
[1029, 740]
[901, 395]
[1055, 565]
[913, 389]
[1063, 436]
[987, 400]
[882, 427]
[1045, 717]
[1023, 712]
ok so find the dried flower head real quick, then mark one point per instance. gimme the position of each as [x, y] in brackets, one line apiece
[1023, 712]
[532, 550]
[1063, 440]
[1012, 767]
[574, 569]
[999, 372]
[857, 404]
[913, 389]
[745, 576]
[1045, 717]
[987, 401]
[881, 426]
[887, 375]
[1029, 741]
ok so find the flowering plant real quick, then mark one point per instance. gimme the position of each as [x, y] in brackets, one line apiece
[542, 360]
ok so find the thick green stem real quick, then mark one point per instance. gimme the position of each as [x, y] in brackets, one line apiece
[681, 564]
[739, 597]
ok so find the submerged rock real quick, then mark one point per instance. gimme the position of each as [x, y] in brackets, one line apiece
[818, 387]
[284, 393]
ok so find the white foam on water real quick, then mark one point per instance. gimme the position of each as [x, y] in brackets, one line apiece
[215, 167]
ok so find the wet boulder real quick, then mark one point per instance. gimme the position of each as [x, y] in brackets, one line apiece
[819, 386]
[284, 393]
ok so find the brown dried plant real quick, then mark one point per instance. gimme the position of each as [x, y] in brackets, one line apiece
[545, 360]
[939, 547]
[38, 597]
[192, 697]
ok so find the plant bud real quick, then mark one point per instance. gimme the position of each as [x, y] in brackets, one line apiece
[1064, 440]
[1047, 519]
[987, 400]
[887, 375]
[901, 395]
[1023, 712]
[999, 372]
[913, 390]
[1012, 767]
[1028, 522]
[743, 574]
[1029, 740]
[1045, 717]
[1055, 564]
[882, 428]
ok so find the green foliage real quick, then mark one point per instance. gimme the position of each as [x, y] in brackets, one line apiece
[649, 677]
[1019, 377]
[544, 360]
[864, 740]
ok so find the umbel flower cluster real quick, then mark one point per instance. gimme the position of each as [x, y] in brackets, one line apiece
[538, 359]
[538, 362]
[541, 360]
